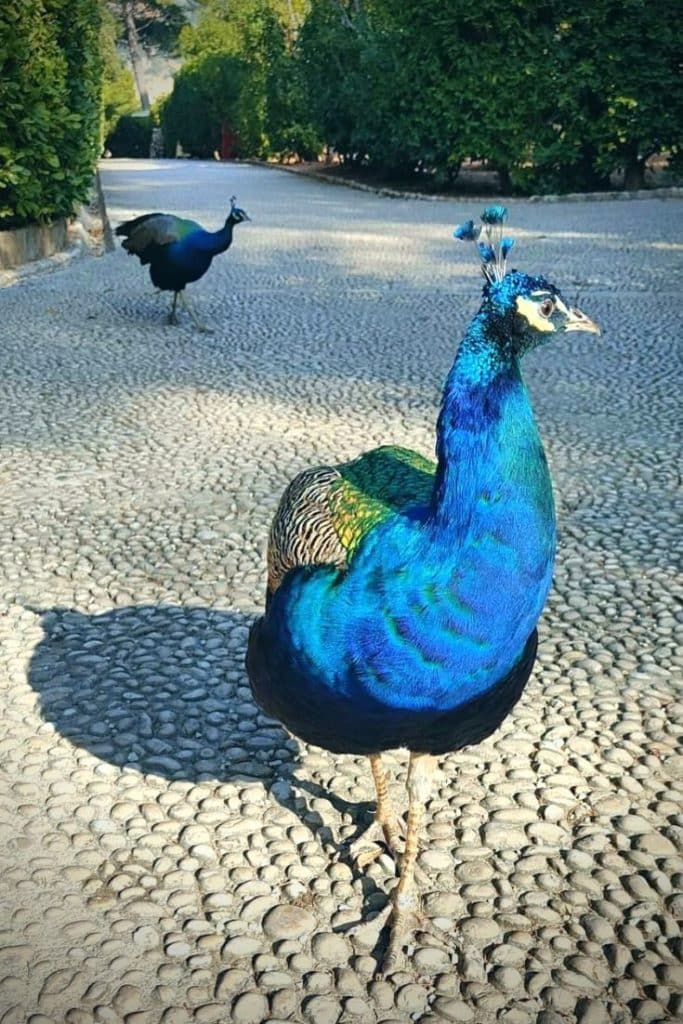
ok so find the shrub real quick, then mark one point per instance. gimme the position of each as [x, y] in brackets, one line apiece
[555, 96]
[241, 70]
[209, 90]
[50, 82]
[131, 137]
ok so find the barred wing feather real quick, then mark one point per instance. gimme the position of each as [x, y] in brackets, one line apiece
[326, 512]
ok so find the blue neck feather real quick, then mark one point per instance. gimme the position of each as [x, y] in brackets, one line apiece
[213, 242]
[438, 603]
[223, 237]
[479, 394]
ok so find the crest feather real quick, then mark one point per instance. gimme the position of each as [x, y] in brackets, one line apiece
[493, 252]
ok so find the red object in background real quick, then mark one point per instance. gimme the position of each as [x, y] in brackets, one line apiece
[227, 142]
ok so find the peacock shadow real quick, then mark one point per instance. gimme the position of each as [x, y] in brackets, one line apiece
[162, 690]
[158, 689]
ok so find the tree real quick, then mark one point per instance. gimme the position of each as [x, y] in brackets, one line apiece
[118, 86]
[208, 91]
[253, 41]
[556, 95]
[147, 26]
[329, 49]
[622, 101]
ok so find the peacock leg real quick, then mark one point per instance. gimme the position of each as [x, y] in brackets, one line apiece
[172, 318]
[405, 899]
[195, 319]
[384, 824]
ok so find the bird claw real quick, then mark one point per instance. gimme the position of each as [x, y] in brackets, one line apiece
[403, 913]
[404, 921]
[373, 841]
[404, 924]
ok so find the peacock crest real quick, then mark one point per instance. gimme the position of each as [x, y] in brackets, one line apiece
[493, 249]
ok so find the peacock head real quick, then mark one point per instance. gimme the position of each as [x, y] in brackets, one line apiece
[236, 215]
[521, 309]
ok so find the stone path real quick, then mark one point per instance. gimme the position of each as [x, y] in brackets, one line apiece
[166, 853]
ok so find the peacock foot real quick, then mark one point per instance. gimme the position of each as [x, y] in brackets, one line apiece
[375, 840]
[408, 928]
[403, 921]
[379, 840]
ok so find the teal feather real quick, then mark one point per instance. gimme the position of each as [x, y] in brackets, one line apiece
[426, 635]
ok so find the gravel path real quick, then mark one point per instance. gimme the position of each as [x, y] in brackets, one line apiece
[169, 855]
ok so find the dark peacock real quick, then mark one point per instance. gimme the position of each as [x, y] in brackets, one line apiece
[178, 251]
[403, 596]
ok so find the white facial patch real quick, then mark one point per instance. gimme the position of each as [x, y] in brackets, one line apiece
[531, 313]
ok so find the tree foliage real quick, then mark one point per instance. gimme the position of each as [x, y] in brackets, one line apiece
[131, 137]
[556, 95]
[208, 92]
[618, 92]
[50, 91]
[239, 71]
[147, 27]
[157, 22]
[118, 87]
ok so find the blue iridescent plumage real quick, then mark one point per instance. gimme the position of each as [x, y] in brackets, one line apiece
[492, 252]
[467, 232]
[425, 635]
[178, 251]
[494, 214]
[505, 246]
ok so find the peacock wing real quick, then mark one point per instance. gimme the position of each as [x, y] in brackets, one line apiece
[326, 512]
[154, 230]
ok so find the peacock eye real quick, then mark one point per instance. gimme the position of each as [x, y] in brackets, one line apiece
[546, 307]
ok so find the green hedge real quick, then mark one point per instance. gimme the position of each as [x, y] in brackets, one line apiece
[555, 96]
[131, 137]
[240, 71]
[50, 106]
[208, 91]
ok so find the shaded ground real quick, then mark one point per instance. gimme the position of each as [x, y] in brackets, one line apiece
[473, 179]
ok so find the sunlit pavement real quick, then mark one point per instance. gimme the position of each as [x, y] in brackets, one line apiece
[168, 854]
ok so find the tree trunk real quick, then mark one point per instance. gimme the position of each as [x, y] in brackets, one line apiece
[634, 174]
[136, 55]
[504, 180]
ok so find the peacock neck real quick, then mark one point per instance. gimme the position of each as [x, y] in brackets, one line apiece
[487, 440]
[224, 236]
[217, 241]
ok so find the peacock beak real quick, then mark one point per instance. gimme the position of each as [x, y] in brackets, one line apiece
[578, 321]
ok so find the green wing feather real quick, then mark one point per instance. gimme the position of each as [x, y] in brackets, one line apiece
[325, 512]
[375, 486]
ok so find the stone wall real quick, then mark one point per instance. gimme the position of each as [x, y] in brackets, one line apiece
[21, 245]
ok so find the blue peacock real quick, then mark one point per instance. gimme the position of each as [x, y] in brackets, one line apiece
[403, 596]
[178, 251]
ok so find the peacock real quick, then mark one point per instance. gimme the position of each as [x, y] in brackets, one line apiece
[178, 251]
[402, 595]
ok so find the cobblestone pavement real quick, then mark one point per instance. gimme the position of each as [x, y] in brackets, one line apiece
[166, 853]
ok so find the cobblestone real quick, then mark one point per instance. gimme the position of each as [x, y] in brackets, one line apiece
[169, 854]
